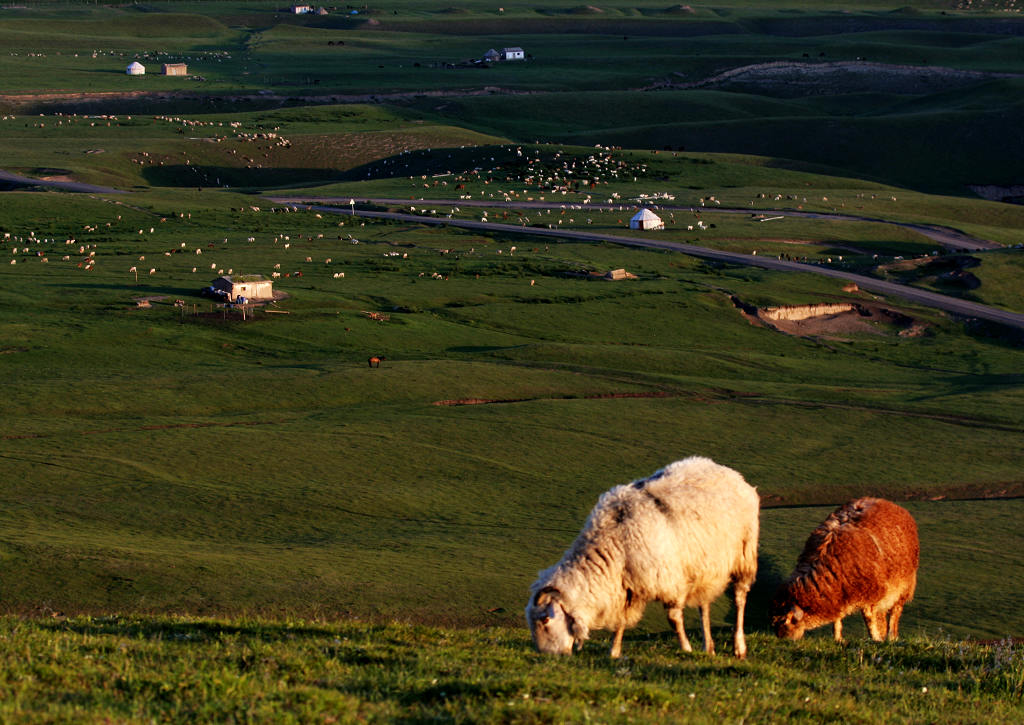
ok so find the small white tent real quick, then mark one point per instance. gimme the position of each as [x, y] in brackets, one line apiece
[135, 69]
[646, 219]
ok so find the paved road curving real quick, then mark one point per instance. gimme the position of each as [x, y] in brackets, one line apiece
[956, 306]
[944, 236]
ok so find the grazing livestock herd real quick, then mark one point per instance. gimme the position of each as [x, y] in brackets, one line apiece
[685, 533]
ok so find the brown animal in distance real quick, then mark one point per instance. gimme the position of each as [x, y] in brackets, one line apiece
[864, 557]
[376, 360]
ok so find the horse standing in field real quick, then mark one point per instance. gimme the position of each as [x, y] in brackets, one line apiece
[375, 361]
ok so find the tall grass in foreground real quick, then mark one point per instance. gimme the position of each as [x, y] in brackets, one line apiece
[137, 669]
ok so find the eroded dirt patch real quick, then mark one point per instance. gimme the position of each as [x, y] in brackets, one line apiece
[833, 319]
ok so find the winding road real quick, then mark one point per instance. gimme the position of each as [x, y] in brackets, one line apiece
[956, 306]
[944, 236]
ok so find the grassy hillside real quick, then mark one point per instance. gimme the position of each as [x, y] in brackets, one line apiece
[209, 517]
[917, 96]
[131, 669]
[162, 460]
[861, 134]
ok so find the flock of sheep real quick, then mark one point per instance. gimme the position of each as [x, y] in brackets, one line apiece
[688, 531]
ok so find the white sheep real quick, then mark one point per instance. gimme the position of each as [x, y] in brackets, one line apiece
[679, 537]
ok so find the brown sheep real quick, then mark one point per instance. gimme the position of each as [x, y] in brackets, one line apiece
[864, 556]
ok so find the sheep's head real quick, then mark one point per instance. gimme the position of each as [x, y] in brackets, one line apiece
[787, 617]
[555, 631]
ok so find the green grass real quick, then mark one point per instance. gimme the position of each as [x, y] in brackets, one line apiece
[207, 519]
[160, 461]
[133, 669]
[620, 76]
[992, 276]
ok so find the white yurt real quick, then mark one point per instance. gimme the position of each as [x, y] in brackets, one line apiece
[136, 69]
[646, 219]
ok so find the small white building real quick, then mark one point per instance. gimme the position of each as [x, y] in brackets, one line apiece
[515, 53]
[250, 286]
[646, 219]
[135, 68]
[302, 9]
[174, 69]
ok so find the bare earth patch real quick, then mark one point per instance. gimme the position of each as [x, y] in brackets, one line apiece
[833, 320]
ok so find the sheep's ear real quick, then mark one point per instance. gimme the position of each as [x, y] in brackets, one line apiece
[549, 591]
[797, 613]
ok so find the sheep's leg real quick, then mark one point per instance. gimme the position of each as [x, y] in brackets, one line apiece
[894, 620]
[617, 643]
[675, 616]
[875, 621]
[837, 630]
[705, 621]
[739, 640]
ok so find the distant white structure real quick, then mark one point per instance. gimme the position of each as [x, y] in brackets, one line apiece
[646, 219]
[302, 9]
[515, 53]
[135, 68]
[249, 286]
[492, 56]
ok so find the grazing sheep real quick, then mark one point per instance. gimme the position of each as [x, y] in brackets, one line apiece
[863, 557]
[679, 537]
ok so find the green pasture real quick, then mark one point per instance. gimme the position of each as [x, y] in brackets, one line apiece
[617, 75]
[363, 150]
[867, 137]
[179, 459]
[138, 669]
[207, 517]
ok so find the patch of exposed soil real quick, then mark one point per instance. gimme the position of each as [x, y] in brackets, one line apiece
[832, 320]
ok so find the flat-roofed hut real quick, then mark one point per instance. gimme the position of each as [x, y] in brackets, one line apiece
[252, 287]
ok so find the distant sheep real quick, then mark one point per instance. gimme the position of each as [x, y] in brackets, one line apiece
[864, 557]
[678, 537]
